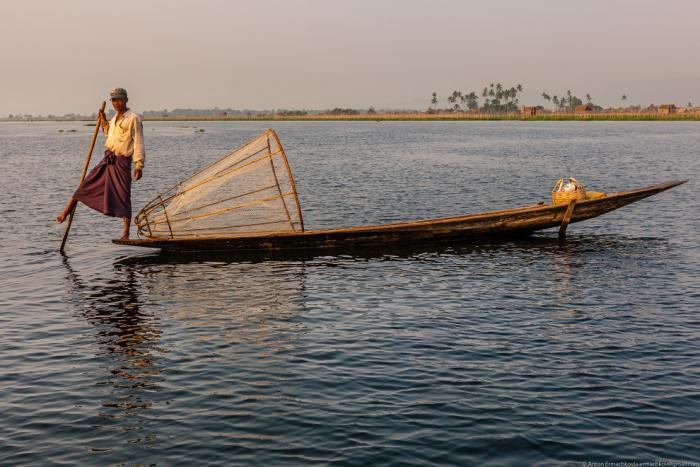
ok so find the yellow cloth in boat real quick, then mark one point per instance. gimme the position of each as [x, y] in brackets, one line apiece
[594, 194]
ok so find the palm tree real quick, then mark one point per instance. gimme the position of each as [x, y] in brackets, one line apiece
[434, 100]
[485, 95]
[472, 101]
[624, 97]
[452, 99]
[546, 96]
[466, 98]
[588, 98]
[555, 101]
[455, 96]
[513, 98]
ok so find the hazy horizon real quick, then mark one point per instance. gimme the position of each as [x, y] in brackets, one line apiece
[63, 57]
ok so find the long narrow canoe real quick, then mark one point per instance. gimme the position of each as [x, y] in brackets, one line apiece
[506, 223]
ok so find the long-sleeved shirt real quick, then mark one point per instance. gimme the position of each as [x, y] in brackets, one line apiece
[125, 137]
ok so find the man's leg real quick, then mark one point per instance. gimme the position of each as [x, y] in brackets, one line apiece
[127, 224]
[69, 207]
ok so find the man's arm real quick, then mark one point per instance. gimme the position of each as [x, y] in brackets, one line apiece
[139, 149]
[104, 123]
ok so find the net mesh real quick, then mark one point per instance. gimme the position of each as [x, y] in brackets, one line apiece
[250, 191]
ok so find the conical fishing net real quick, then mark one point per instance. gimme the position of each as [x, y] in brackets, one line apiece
[250, 191]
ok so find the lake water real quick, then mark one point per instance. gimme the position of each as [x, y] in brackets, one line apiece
[504, 353]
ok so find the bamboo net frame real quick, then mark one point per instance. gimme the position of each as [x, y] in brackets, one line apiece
[250, 191]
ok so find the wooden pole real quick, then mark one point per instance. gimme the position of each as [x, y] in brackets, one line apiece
[82, 177]
[567, 218]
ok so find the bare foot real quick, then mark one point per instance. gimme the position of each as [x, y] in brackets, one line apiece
[125, 231]
[62, 217]
[66, 211]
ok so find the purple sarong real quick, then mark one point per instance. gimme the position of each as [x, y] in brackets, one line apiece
[107, 188]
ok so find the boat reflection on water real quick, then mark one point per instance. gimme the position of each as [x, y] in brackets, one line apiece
[224, 300]
[241, 314]
[182, 334]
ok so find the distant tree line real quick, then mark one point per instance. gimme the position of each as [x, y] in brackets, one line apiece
[339, 111]
[496, 98]
[179, 112]
[50, 117]
[292, 113]
[567, 102]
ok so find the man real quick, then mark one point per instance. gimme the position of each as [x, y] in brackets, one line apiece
[107, 188]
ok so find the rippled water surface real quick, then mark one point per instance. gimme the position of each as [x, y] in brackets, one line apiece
[504, 353]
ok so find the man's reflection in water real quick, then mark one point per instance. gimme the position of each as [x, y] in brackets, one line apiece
[129, 339]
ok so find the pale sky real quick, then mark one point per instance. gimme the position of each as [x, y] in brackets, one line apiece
[64, 56]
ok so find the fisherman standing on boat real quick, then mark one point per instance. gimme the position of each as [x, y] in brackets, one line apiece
[107, 188]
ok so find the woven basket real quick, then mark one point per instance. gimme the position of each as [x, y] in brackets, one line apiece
[563, 197]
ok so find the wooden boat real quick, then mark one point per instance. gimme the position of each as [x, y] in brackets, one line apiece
[506, 223]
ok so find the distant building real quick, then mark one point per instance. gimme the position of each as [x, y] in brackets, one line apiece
[529, 111]
[681, 110]
[667, 109]
[585, 108]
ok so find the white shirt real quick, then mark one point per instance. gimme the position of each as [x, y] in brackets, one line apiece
[125, 137]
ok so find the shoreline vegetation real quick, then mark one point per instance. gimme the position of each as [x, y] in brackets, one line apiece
[437, 116]
[494, 102]
[397, 116]
[422, 116]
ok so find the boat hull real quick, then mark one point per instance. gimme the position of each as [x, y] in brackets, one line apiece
[506, 223]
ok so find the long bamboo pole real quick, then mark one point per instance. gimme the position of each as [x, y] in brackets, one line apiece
[82, 177]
